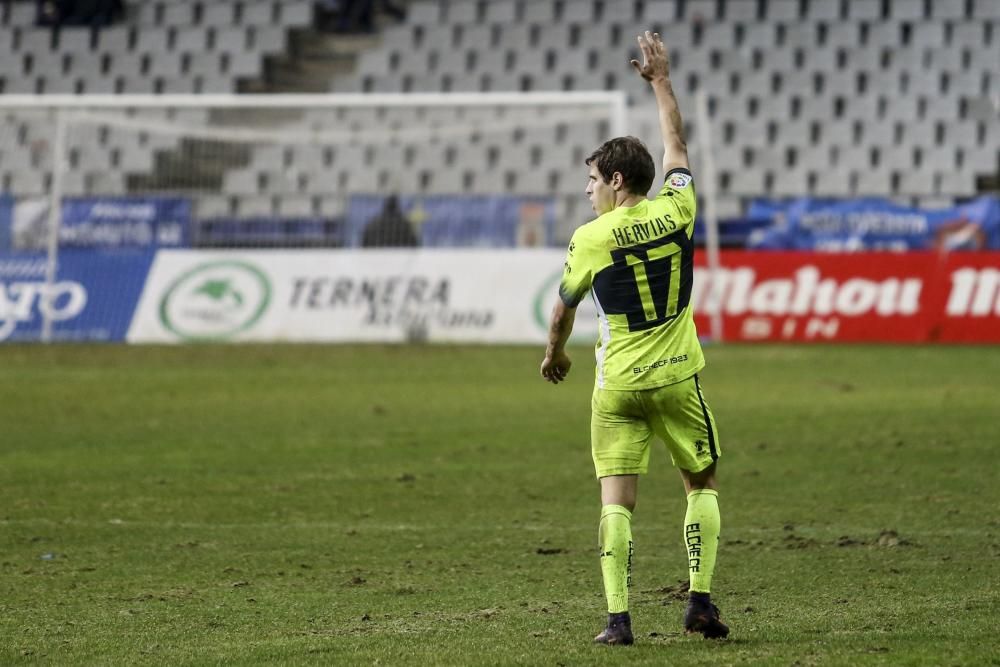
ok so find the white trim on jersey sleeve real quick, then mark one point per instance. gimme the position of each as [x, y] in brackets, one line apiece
[605, 328]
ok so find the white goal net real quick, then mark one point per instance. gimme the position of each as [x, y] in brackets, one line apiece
[296, 157]
[133, 173]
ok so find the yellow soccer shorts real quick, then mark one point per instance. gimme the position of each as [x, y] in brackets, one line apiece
[623, 423]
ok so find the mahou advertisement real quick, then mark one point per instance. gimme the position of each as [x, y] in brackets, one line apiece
[912, 297]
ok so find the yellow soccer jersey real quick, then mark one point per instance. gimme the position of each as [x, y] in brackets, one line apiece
[637, 263]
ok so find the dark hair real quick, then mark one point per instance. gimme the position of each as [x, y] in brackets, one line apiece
[629, 157]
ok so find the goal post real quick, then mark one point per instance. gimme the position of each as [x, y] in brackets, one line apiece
[267, 171]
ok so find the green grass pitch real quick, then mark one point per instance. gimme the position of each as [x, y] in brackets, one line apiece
[436, 505]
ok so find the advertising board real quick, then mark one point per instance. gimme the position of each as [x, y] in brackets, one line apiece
[506, 296]
[875, 224]
[885, 297]
[334, 296]
[129, 223]
[92, 299]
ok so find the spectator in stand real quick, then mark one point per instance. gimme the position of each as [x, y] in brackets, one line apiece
[390, 228]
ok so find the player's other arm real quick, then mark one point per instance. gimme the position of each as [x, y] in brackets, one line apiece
[655, 68]
[575, 283]
[555, 366]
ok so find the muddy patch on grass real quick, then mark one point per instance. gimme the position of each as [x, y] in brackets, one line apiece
[799, 542]
[678, 591]
[886, 539]
[890, 538]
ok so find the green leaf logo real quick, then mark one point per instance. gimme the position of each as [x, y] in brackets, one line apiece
[221, 291]
[215, 301]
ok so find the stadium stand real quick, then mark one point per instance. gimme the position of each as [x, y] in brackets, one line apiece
[894, 98]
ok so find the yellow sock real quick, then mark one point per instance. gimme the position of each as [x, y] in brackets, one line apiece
[615, 539]
[701, 537]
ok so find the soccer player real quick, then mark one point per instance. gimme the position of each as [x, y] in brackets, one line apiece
[636, 261]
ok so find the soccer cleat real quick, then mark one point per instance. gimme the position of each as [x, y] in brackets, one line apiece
[703, 616]
[618, 632]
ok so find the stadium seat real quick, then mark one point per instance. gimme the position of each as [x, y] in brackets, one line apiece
[927, 35]
[964, 84]
[503, 12]
[243, 182]
[21, 13]
[539, 13]
[47, 63]
[29, 182]
[212, 206]
[747, 182]
[740, 12]
[114, 39]
[823, 10]
[74, 40]
[864, 10]
[985, 9]
[704, 10]
[259, 13]
[872, 183]
[832, 183]
[790, 183]
[21, 85]
[191, 39]
[297, 206]
[105, 183]
[295, 13]
[269, 38]
[252, 206]
[903, 108]
[424, 13]
[916, 182]
[229, 39]
[175, 85]
[218, 14]
[967, 33]
[74, 184]
[36, 40]
[920, 133]
[948, 9]
[782, 10]
[166, 64]
[153, 40]
[980, 159]
[897, 158]
[759, 36]
[955, 184]
[463, 12]
[842, 35]
[906, 10]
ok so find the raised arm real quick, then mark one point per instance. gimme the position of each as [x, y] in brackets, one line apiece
[655, 68]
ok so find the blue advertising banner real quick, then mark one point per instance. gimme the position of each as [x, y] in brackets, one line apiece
[449, 221]
[103, 222]
[6, 221]
[125, 222]
[92, 299]
[269, 232]
[875, 224]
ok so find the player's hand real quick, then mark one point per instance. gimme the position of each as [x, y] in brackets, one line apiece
[555, 367]
[655, 61]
